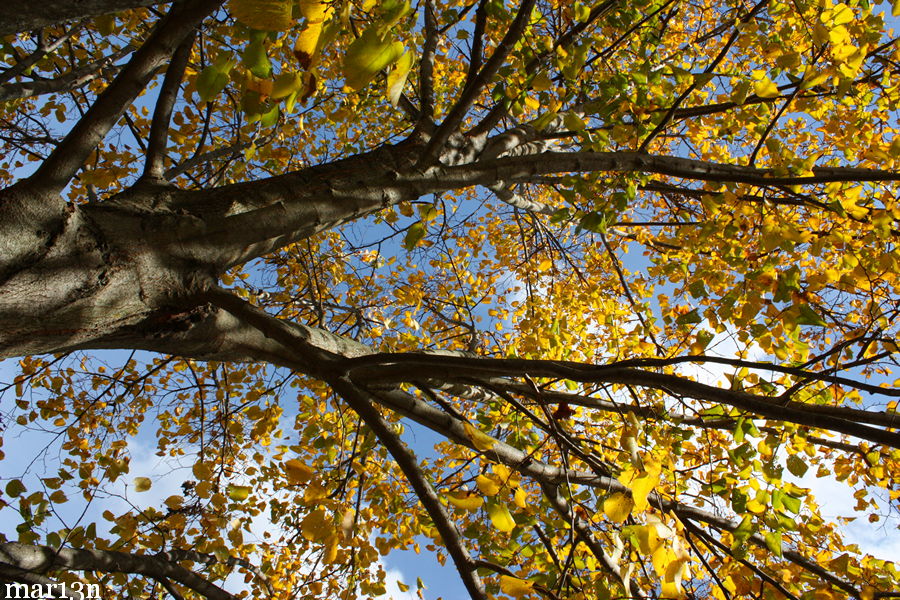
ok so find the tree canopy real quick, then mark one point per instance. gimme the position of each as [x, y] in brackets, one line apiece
[633, 264]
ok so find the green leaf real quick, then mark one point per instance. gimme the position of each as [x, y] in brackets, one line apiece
[773, 542]
[414, 235]
[797, 466]
[256, 60]
[211, 81]
[689, 318]
[790, 503]
[368, 55]
[809, 317]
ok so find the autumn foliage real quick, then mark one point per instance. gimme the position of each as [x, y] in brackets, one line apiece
[634, 266]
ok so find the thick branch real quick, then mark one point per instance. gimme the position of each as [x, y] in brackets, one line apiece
[40, 559]
[73, 151]
[162, 113]
[28, 16]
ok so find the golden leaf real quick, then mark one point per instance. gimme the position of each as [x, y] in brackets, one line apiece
[265, 15]
[617, 507]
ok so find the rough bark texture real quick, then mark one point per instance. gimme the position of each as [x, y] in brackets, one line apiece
[18, 15]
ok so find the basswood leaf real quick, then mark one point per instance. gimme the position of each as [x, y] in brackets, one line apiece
[488, 486]
[500, 517]
[397, 77]
[308, 44]
[514, 586]
[796, 465]
[482, 441]
[256, 60]
[766, 88]
[298, 472]
[414, 235]
[618, 506]
[286, 84]
[238, 493]
[465, 500]
[142, 484]
[266, 15]
[368, 55]
[641, 488]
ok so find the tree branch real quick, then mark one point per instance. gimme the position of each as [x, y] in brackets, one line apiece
[28, 16]
[471, 92]
[162, 113]
[67, 82]
[40, 559]
[71, 153]
[405, 458]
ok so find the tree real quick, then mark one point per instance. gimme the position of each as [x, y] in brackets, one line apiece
[329, 216]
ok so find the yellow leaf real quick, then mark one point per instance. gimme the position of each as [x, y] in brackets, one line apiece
[297, 472]
[514, 586]
[482, 441]
[466, 500]
[331, 550]
[488, 486]
[541, 82]
[201, 471]
[314, 491]
[142, 484]
[617, 507]
[766, 88]
[397, 77]
[500, 517]
[306, 48]
[238, 493]
[316, 526]
[520, 498]
[545, 265]
[641, 488]
[174, 502]
[266, 15]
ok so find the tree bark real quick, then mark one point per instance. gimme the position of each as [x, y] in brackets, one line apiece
[18, 15]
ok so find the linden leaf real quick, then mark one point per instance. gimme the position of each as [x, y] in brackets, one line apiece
[482, 441]
[618, 506]
[142, 484]
[256, 60]
[515, 587]
[397, 77]
[368, 55]
[500, 517]
[488, 486]
[766, 88]
[641, 488]
[238, 493]
[309, 42]
[414, 235]
[465, 501]
[541, 82]
[266, 15]
[796, 465]
[15, 488]
[298, 472]
[286, 84]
